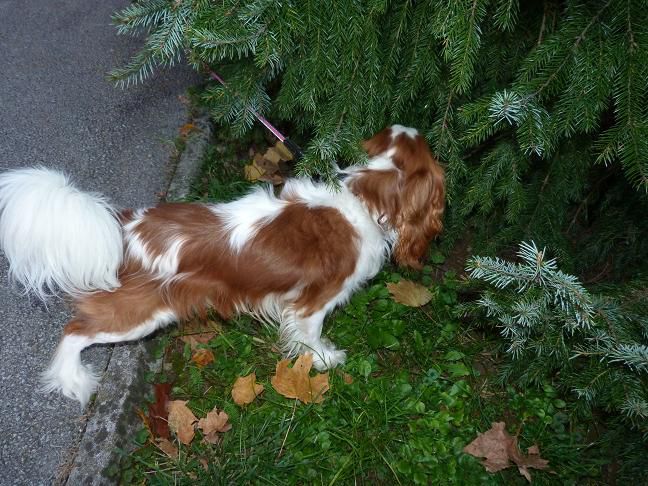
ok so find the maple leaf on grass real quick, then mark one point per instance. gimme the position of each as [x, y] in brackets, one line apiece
[498, 449]
[409, 293]
[295, 382]
[246, 389]
[181, 421]
[214, 423]
[202, 357]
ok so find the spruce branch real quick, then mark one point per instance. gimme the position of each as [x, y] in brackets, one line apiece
[573, 48]
[141, 15]
[550, 322]
[634, 356]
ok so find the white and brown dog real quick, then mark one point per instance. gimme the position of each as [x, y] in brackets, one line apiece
[289, 259]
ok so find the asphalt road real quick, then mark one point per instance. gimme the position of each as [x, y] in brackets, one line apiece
[58, 110]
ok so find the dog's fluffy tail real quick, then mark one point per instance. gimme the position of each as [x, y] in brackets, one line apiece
[55, 236]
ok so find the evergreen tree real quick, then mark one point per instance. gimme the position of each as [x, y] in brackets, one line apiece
[538, 109]
[595, 346]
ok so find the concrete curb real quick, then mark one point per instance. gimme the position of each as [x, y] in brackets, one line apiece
[188, 168]
[112, 419]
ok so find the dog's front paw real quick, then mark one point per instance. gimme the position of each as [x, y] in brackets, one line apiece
[328, 357]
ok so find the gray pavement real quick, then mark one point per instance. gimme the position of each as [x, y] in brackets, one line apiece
[58, 110]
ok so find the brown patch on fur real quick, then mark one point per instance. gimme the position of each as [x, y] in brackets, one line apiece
[423, 199]
[380, 191]
[162, 225]
[377, 144]
[302, 248]
[317, 244]
[412, 198]
[119, 311]
[308, 249]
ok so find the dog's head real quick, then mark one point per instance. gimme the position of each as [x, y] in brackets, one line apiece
[403, 185]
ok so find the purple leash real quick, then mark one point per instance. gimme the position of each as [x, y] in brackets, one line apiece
[290, 145]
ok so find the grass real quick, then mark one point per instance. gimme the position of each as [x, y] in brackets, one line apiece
[423, 388]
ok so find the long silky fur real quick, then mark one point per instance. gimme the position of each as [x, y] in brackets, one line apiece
[55, 236]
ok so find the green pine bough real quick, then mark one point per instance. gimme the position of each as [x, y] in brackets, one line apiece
[594, 345]
[537, 109]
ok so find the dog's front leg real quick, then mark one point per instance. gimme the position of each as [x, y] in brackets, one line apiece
[303, 334]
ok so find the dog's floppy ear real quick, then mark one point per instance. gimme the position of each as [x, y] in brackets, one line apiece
[379, 143]
[422, 202]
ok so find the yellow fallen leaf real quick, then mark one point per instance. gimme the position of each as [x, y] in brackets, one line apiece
[286, 155]
[295, 382]
[202, 357]
[253, 172]
[272, 155]
[214, 423]
[246, 389]
[182, 420]
[409, 293]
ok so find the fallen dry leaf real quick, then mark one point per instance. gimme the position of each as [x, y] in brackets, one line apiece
[272, 155]
[198, 331]
[409, 293]
[246, 389]
[167, 447]
[158, 412]
[532, 460]
[498, 449]
[144, 419]
[193, 340]
[285, 154]
[493, 445]
[214, 423]
[182, 420]
[266, 167]
[253, 172]
[187, 128]
[295, 382]
[202, 357]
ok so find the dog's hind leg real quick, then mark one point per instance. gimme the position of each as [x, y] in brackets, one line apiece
[68, 375]
[131, 312]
